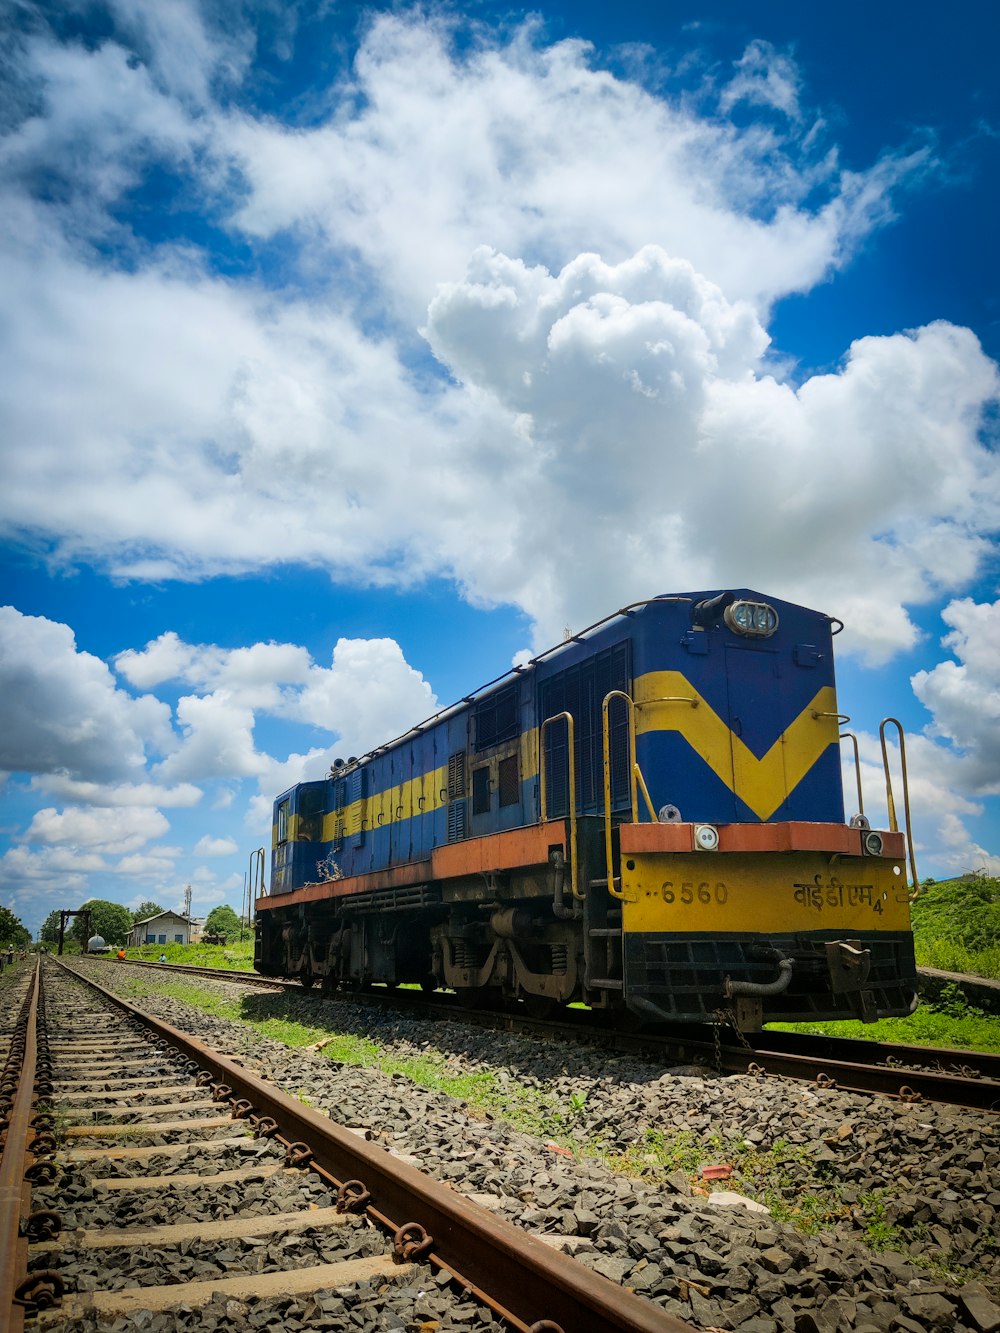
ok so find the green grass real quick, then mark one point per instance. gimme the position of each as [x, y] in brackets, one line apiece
[956, 925]
[236, 957]
[527, 1108]
[929, 1026]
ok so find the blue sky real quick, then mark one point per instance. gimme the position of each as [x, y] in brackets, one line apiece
[348, 352]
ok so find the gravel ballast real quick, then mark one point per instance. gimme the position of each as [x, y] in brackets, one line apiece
[846, 1173]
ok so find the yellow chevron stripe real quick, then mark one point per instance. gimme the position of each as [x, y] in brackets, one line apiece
[761, 783]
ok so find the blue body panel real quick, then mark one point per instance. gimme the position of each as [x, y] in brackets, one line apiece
[752, 690]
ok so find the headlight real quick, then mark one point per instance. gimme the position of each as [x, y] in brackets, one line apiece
[872, 843]
[754, 619]
[706, 838]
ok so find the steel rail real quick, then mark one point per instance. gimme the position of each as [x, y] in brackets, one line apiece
[519, 1277]
[15, 1191]
[973, 1064]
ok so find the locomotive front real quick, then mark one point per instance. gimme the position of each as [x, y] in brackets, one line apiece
[749, 895]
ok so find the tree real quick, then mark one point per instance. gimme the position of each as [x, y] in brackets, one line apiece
[222, 920]
[144, 910]
[12, 931]
[49, 933]
[109, 920]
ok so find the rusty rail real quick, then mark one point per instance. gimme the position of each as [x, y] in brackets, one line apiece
[520, 1278]
[15, 1191]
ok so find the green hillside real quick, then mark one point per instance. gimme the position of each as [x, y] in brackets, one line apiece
[956, 925]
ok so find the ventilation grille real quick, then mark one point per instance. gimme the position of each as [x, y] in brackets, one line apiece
[456, 776]
[456, 821]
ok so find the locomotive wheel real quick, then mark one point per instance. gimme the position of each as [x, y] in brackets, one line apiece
[307, 979]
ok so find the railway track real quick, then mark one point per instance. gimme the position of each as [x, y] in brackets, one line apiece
[133, 1150]
[911, 1073]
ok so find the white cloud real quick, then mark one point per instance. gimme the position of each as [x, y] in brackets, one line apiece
[764, 77]
[109, 832]
[58, 785]
[249, 672]
[217, 740]
[964, 695]
[156, 864]
[541, 153]
[639, 413]
[209, 846]
[60, 710]
[368, 695]
[207, 425]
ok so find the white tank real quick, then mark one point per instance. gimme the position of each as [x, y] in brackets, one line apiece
[95, 944]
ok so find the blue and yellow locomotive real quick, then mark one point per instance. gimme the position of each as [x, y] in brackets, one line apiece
[648, 817]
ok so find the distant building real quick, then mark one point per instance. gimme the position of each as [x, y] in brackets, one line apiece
[164, 928]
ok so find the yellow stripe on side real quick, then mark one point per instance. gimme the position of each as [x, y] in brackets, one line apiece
[666, 701]
[754, 892]
[418, 796]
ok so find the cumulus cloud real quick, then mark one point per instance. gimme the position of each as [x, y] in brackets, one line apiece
[112, 831]
[645, 370]
[209, 846]
[219, 425]
[543, 153]
[59, 785]
[60, 709]
[964, 695]
[368, 695]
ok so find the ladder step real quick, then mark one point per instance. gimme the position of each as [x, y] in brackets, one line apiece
[606, 983]
[605, 932]
[602, 882]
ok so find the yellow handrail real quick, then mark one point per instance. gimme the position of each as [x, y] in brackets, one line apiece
[850, 736]
[893, 824]
[645, 793]
[571, 741]
[634, 775]
[257, 886]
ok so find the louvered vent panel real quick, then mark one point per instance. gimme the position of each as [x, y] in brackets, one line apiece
[456, 821]
[456, 776]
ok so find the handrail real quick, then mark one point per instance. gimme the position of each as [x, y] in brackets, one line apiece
[257, 886]
[645, 794]
[634, 775]
[850, 736]
[571, 801]
[893, 823]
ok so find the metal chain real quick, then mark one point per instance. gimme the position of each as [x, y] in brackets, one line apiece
[727, 1017]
